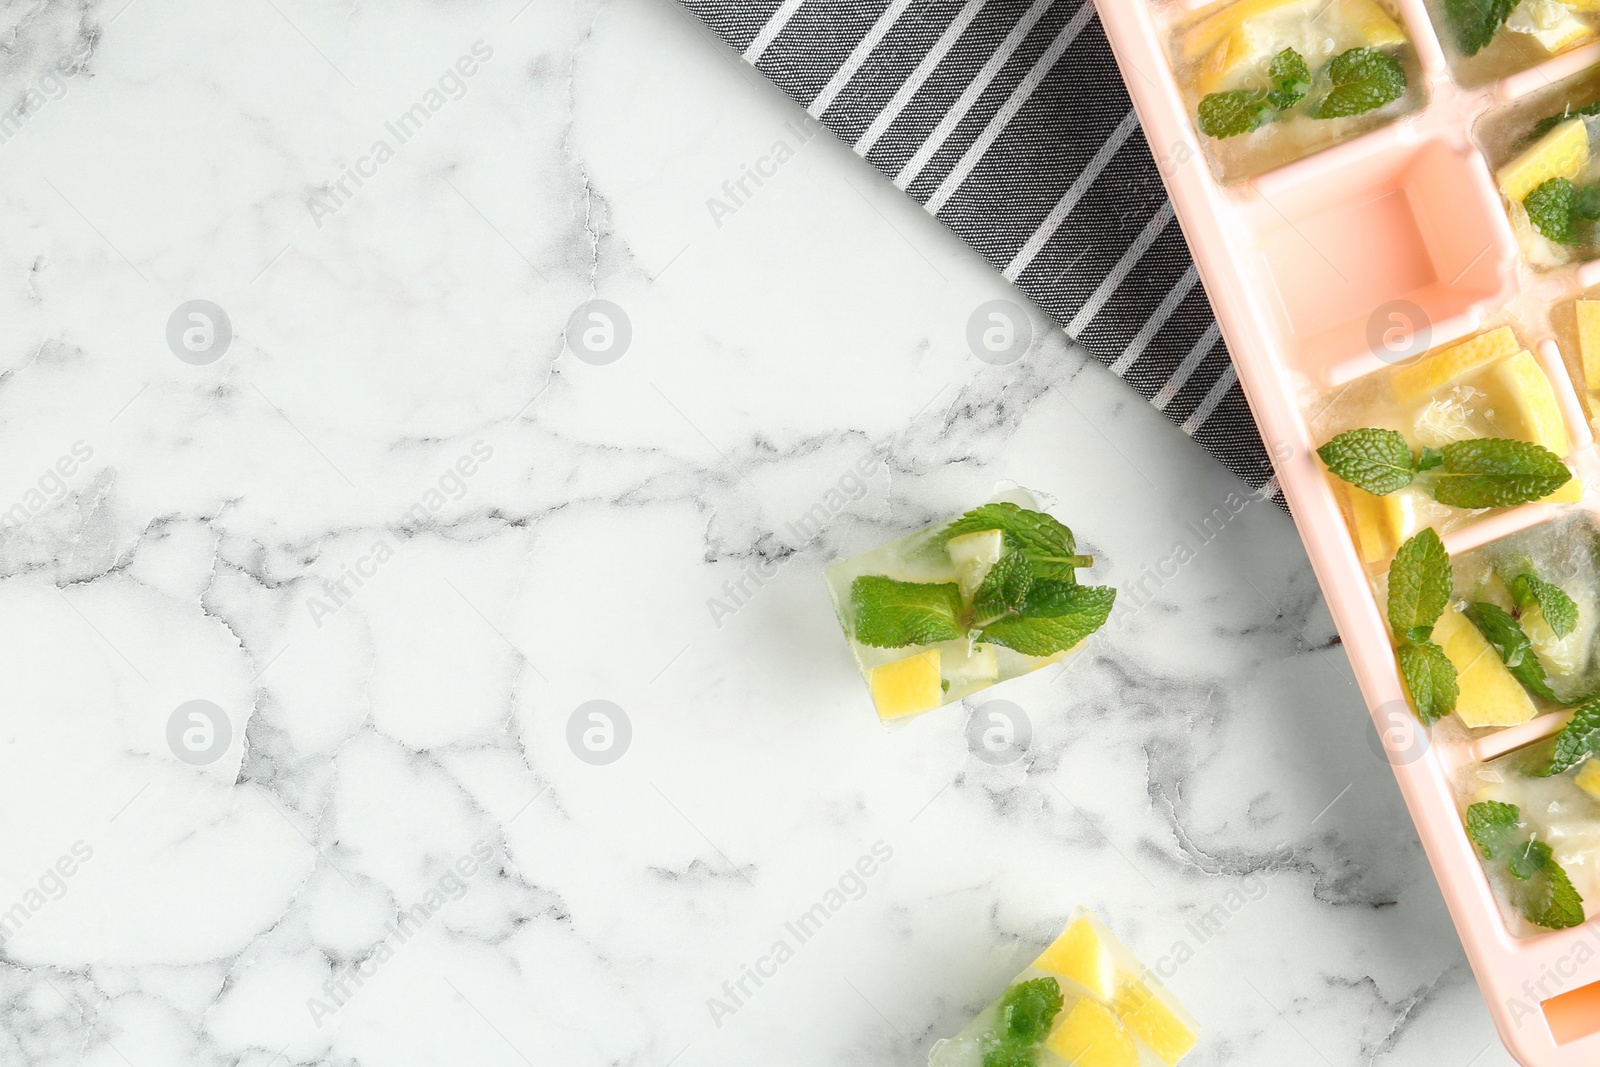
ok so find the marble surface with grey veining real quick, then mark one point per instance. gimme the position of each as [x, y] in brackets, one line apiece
[309, 589]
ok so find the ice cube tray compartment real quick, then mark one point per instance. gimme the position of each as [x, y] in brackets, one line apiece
[1423, 186]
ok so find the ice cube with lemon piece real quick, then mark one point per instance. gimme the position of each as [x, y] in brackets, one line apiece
[1092, 1036]
[1489, 694]
[1528, 392]
[1105, 1009]
[1439, 369]
[1384, 523]
[1231, 47]
[1161, 1025]
[907, 686]
[1081, 954]
[1561, 153]
[926, 624]
[1553, 23]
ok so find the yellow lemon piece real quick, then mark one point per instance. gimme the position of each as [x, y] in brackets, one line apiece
[1155, 1022]
[1375, 25]
[1589, 341]
[1441, 368]
[1209, 32]
[1550, 22]
[1241, 50]
[1286, 22]
[1534, 401]
[1588, 778]
[1367, 515]
[906, 686]
[1384, 523]
[1561, 153]
[1489, 695]
[1090, 1036]
[1082, 956]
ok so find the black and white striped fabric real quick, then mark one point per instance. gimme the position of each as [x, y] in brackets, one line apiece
[1008, 120]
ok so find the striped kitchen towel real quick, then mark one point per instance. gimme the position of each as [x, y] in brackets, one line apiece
[1008, 120]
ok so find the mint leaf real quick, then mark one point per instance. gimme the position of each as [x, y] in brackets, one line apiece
[1231, 113]
[891, 614]
[1291, 79]
[1493, 472]
[1550, 122]
[1578, 740]
[1475, 22]
[1004, 589]
[1028, 1008]
[1431, 457]
[1516, 651]
[1559, 612]
[1363, 79]
[1586, 205]
[1548, 898]
[1430, 679]
[1378, 461]
[1491, 825]
[1419, 586]
[1056, 616]
[1049, 545]
[1006, 1054]
[1550, 209]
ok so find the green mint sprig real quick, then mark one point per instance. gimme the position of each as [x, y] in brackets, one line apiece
[1378, 461]
[1493, 472]
[1051, 549]
[1550, 208]
[1364, 79]
[1559, 611]
[1547, 896]
[1291, 79]
[1550, 122]
[1486, 472]
[1542, 892]
[893, 614]
[1419, 592]
[1056, 616]
[1004, 589]
[1502, 630]
[1237, 111]
[1029, 600]
[1026, 1011]
[1475, 22]
[1577, 741]
[1492, 824]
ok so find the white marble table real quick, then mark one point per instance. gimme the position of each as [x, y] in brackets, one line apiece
[395, 534]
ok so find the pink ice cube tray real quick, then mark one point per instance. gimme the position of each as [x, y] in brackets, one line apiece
[1300, 263]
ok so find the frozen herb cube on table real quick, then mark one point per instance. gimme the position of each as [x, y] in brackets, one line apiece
[963, 604]
[1085, 1002]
